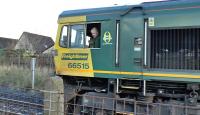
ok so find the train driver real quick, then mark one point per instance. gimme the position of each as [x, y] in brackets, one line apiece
[94, 41]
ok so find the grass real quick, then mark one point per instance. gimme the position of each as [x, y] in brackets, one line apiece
[22, 77]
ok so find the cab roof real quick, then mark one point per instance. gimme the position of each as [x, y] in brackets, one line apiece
[121, 9]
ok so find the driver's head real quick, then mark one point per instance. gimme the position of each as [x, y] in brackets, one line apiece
[94, 32]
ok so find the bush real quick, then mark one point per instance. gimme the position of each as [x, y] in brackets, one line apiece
[22, 77]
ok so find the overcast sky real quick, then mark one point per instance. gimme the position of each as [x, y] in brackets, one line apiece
[40, 16]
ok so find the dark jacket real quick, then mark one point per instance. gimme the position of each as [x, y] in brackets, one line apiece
[94, 42]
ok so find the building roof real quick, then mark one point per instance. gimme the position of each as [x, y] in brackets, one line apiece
[7, 43]
[34, 42]
[121, 9]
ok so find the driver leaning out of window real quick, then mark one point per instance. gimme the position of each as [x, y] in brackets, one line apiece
[94, 41]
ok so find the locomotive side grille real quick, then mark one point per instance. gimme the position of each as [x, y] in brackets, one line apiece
[175, 49]
[167, 87]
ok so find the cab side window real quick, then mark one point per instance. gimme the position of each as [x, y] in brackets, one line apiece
[77, 36]
[64, 37]
[81, 36]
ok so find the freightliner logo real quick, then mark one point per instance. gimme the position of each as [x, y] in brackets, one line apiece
[74, 56]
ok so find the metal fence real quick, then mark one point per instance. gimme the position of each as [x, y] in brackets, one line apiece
[20, 101]
[16, 58]
[112, 106]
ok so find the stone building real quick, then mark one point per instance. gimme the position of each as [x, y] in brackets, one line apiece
[34, 43]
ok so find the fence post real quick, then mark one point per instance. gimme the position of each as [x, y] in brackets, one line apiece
[19, 61]
[33, 61]
[50, 103]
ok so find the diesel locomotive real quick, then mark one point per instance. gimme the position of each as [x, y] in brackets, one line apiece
[147, 52]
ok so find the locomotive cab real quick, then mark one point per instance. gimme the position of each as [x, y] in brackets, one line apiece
[78, 51]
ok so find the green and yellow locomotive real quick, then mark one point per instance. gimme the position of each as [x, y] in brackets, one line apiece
[149, 51]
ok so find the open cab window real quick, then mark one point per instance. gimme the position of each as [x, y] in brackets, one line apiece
[81, 36]
[93, 38]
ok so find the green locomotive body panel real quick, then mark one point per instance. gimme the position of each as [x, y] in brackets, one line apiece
[131, 55]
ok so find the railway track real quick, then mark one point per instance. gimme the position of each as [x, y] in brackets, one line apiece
[20, 107]
[21, 102]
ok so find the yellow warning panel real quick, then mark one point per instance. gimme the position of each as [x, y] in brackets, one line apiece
[74, 62]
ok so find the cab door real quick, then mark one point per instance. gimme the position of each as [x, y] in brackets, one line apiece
[104, 57]
[131, 46]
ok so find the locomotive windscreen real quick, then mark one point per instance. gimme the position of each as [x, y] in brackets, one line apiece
[175, 48]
